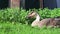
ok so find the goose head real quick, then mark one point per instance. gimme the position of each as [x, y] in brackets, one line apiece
[32, 14]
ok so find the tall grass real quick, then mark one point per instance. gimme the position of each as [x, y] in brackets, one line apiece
[19, 15]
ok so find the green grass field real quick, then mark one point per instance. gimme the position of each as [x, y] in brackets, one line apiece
[13, 21]
[17, 28]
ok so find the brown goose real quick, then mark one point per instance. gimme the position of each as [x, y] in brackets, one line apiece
[40, 23]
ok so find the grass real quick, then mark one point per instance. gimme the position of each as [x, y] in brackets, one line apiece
[17, 15]
[17, 28]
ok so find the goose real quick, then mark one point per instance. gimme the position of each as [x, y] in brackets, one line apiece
[40, 23]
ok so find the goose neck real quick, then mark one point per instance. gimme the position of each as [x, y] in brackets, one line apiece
[38, 17]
